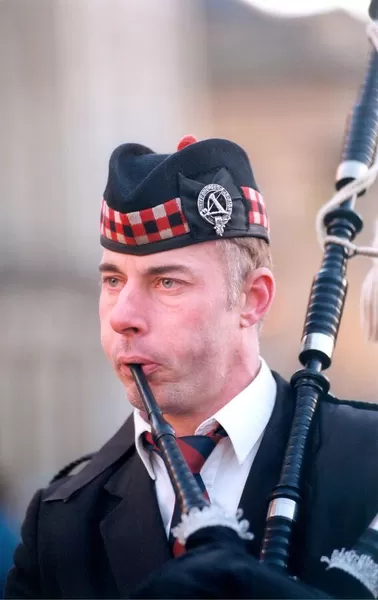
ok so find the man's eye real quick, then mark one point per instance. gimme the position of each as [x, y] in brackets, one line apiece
[167, 283]
[111, 281]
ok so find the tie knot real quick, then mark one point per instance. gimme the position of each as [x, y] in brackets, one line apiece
[194, 448]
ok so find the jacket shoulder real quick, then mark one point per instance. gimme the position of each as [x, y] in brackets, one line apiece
[68, 481]
[330, 401]
[71, 468]
[360, 405]
[348, 432]
[352, 413]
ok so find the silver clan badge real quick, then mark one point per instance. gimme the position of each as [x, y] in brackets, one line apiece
[215, 205]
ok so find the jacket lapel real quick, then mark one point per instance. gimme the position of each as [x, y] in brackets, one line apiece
[265, 471]
[133, 532]
[133, 555]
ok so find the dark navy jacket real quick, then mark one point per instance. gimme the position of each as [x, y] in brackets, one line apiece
[99, 533]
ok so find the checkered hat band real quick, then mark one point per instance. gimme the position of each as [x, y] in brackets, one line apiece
[161, 222]
[257, 213]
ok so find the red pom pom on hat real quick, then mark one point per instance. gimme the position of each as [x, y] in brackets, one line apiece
[186, 141]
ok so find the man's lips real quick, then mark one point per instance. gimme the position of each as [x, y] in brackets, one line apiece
[148, 366]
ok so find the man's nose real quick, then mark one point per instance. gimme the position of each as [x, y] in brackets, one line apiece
[129, 314]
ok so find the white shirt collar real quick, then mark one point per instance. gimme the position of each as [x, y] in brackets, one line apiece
[140, 426]
[244, 418]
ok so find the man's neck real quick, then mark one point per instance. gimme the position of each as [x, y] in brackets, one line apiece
[187, 424]
[184, 425]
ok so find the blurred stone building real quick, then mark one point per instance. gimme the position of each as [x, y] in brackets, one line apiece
[81, 76]
[78, 78]
[283, 89]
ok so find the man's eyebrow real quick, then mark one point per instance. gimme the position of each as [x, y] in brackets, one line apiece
[170, 268]
[158, 270]
[106, 267]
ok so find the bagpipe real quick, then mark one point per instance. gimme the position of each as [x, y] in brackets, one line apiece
[216, 563]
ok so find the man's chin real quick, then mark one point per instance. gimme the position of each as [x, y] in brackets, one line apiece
[134, 397]
[165, 398]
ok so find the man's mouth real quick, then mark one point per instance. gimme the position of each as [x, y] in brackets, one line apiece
[148, 366]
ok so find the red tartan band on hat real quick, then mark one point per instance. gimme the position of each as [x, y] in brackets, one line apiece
[257, 213]
[161, 222]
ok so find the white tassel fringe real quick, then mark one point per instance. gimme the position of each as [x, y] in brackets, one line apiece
[361, 567]
[210, 516]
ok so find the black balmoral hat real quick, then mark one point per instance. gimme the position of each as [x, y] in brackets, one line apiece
[204, 191]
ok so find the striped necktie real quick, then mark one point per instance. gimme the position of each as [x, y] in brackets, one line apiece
[195, 450]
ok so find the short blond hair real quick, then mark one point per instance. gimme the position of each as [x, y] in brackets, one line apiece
[241, 256]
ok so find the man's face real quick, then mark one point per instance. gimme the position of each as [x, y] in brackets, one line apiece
[169, 312]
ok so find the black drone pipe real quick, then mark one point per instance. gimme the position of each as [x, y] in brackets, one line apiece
[323, 319]
[184, 484]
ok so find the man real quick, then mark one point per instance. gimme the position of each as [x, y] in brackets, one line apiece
[186, 282]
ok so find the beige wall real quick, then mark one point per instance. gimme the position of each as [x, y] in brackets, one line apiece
[78, 78]
[294, 135]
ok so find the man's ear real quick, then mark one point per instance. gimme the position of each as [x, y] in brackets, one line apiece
[258, 293]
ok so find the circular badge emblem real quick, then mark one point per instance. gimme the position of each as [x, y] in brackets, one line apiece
[215, 206]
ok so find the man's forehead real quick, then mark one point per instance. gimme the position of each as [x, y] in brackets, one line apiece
[202, 253]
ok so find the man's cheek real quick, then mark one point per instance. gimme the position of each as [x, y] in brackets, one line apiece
[195, 320]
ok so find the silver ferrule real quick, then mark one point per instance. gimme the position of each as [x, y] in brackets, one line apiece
[374, 524]
[283, 507]
[350, 169]
[319, 341]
